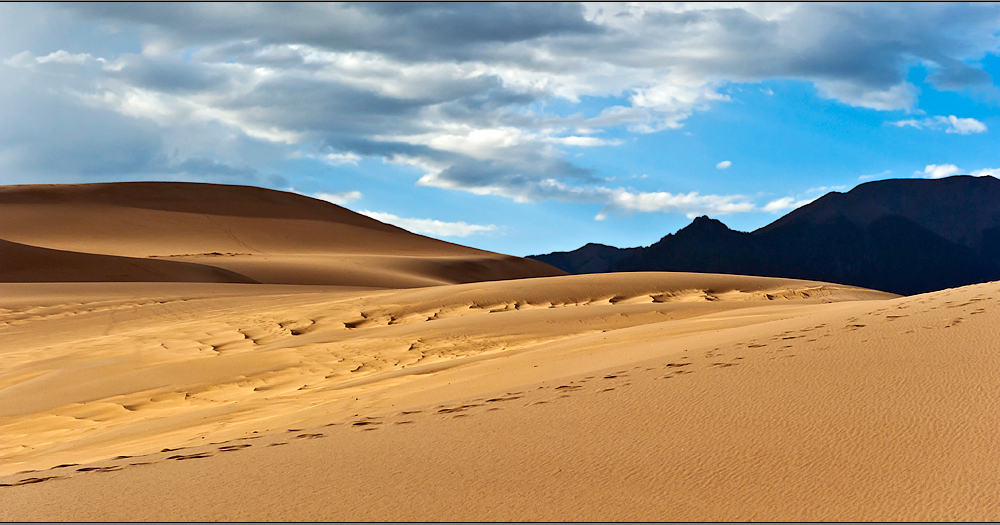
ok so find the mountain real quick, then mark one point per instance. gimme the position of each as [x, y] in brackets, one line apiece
[959, 208]
[903, 236]
[591, 258]
[190, 232]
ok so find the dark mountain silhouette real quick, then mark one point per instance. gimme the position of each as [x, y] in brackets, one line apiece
[591, 258]
[904, 236]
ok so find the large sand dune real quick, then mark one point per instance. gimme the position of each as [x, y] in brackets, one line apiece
[262, 235]
[642, 396]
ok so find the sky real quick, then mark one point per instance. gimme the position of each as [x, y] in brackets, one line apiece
[518, 128]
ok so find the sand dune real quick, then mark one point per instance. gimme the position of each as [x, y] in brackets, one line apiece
[642, 396]
[392, 393]
[264, 235]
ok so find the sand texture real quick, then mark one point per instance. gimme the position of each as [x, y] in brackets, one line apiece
[630, 396]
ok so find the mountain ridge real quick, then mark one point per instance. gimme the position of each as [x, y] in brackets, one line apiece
[898, 235]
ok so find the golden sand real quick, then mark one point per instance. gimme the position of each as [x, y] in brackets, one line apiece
[408, 391]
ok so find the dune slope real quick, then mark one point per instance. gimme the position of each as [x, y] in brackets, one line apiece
[781, 409]
[22, 263]
[602, 397]
[265, 235]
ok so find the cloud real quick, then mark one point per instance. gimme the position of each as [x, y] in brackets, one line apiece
[938, 171]
[337, 159]
[825, 189]
[458, 91]
[785, 203]
[431, 226]
[341, 198]
[724, 164]
[901, 96]
[583, 141]
[690, 204]
[986, 172]
[963, 126]
[950, 124]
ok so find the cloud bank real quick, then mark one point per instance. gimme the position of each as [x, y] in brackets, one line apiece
[950, 124]
[460, 92]
[939, 171]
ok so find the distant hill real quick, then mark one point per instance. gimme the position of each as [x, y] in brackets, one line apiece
[903, 236]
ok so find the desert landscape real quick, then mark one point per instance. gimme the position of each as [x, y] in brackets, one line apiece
[499, 261]
[199, 352]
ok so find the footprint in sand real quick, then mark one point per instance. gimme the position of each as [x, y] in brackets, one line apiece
[100, 469]
[199, 455]
[509, 397]
[231, 448]
[28, 481]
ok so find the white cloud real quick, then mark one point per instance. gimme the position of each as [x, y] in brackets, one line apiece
[22, 59]
[950, 124]
[986, 172]
[431, 226]
[785, 203]
[341, 198]
[938, 171]
[963, 126]
[724, 164]
[908, 122]
[27, 59]
[900, 96]
[338, 159]
[64, 57]
[690, 204]
[583, 141]
[825, 189]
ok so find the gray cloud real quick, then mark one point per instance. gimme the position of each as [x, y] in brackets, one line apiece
[416, 31]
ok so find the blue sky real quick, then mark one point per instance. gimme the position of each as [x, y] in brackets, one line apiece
[517, 128]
